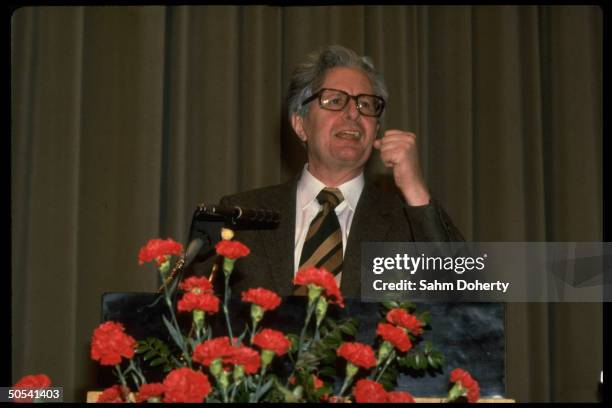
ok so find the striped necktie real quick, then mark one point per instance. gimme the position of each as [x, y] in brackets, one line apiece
[323, 243]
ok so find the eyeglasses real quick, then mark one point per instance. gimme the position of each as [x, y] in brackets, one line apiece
[336, 100]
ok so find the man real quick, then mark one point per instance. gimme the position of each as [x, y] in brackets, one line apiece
[335, 100]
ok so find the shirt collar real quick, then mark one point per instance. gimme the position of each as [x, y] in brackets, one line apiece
[309, 187]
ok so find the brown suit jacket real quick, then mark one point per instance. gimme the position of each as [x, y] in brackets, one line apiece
[379, 216]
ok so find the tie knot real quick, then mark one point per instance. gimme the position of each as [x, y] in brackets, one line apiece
[333, 196]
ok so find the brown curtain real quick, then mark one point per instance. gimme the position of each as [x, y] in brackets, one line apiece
[124, 118]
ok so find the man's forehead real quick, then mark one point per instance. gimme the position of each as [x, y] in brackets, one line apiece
[353, 80]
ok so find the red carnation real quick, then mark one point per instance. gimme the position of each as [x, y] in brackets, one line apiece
[401, 317]
[246, 357]
[112, 394]
[206, 302]
[159, 249]
[395, 336]
[358, 354]
[457, 375]
[232, 249]
[273, 340]
[318, 383]
[109, 343]
[151, 390]
[322, 278]
[464, 378]
[473, 393]
[186, 385]
[31, 382]
[34, 381]
[399, 397]
[264, 298]
[196, 284]
[205, 353]
[369, 391]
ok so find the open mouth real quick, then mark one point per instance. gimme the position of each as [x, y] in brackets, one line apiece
[349, 134]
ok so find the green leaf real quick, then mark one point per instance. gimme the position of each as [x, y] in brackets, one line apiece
[157, 361]
[406, 361]
[142, 348]
[327, 372]
[328, 356]
[149, 354]
[389, 378]
[294, 342]
[439, 358]
[287, 394]
[391, 305]
[427, 347]
[422, 363]
[264, 389]
[331, 323]
[328, 342]
[349, 328]
[176, 336]
[408, 305]
[424, 317]
[241, 337]
[250, 382]
[417, 360]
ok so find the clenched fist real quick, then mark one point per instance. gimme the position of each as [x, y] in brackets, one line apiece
[398, 150]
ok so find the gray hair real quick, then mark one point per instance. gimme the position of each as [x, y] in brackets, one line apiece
[308, 77]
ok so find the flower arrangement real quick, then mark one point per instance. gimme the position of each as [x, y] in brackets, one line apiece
[202, 366]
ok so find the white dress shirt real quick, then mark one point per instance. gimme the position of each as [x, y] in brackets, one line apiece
[307, 207]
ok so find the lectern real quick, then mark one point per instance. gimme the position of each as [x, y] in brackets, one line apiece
[470, 335]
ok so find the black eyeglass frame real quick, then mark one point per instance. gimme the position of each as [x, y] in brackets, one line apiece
[317, 95]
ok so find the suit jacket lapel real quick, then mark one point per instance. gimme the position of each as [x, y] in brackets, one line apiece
[280, 249]
[369, 224]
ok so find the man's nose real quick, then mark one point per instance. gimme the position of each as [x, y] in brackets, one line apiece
[351, 109]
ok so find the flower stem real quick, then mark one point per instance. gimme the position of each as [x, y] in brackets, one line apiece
[234, 389]
[225, 308]
[253, 332]
[124, 388]
[224, 391]
[309, 312]
[168, 299]
[389, 359]
[139, 375]
[311, 308]
[347, 381]
[259, 383]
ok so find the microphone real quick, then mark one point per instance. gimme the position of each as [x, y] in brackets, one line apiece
[208, 220]
[239, 217]
[206, 224]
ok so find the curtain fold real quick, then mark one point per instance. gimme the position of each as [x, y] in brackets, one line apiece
[125, 118]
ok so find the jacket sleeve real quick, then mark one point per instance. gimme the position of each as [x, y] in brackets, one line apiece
[430, 223]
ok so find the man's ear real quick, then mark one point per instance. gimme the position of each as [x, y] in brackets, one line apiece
[297, 123]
